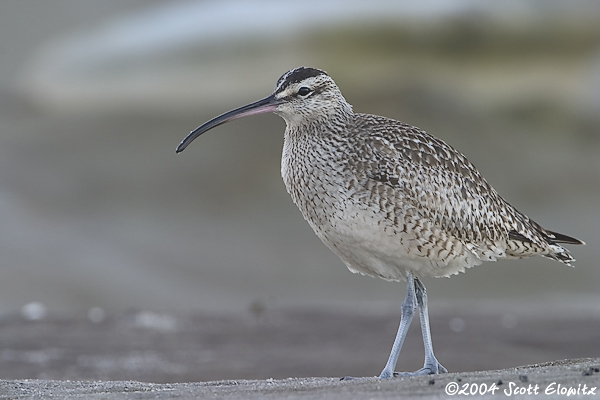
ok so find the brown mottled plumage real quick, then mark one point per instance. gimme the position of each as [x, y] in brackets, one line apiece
[388, 198]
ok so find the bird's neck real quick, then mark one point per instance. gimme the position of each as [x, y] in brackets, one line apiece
[333, 120]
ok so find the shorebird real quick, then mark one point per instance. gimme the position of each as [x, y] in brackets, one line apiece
[391, 200]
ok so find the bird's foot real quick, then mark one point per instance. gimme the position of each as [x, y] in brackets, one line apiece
[428, 369]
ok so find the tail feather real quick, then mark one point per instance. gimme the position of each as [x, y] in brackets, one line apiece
[562, 256]
[553, 242]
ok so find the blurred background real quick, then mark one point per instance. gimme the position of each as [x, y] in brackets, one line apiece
[98, 213]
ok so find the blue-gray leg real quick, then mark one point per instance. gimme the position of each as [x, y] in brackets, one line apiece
[408, 311]
[431, 366]
[416, 295]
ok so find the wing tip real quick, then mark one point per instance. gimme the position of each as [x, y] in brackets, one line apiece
[556, 237]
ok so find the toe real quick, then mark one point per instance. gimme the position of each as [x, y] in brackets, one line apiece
[426, 370]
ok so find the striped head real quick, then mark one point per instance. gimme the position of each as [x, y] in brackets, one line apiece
[302, 96]
[306, 94]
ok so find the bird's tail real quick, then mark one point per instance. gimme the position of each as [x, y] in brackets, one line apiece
[561, 254]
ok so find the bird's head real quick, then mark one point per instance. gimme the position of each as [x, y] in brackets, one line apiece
[302, 95]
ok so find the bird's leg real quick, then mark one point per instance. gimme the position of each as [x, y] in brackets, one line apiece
[416, 295]
[431, 366]
[408, 310]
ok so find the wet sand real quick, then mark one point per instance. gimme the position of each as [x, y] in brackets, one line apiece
[254, 355]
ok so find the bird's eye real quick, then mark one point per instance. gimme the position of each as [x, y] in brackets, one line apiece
[303, 91]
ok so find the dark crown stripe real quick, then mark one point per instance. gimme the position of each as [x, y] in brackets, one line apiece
[297, 75]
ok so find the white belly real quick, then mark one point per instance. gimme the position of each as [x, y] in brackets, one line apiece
[370, 246]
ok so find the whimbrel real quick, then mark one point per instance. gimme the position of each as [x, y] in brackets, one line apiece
[391, 200]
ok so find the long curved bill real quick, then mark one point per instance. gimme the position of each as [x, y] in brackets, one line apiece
[268, 104]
